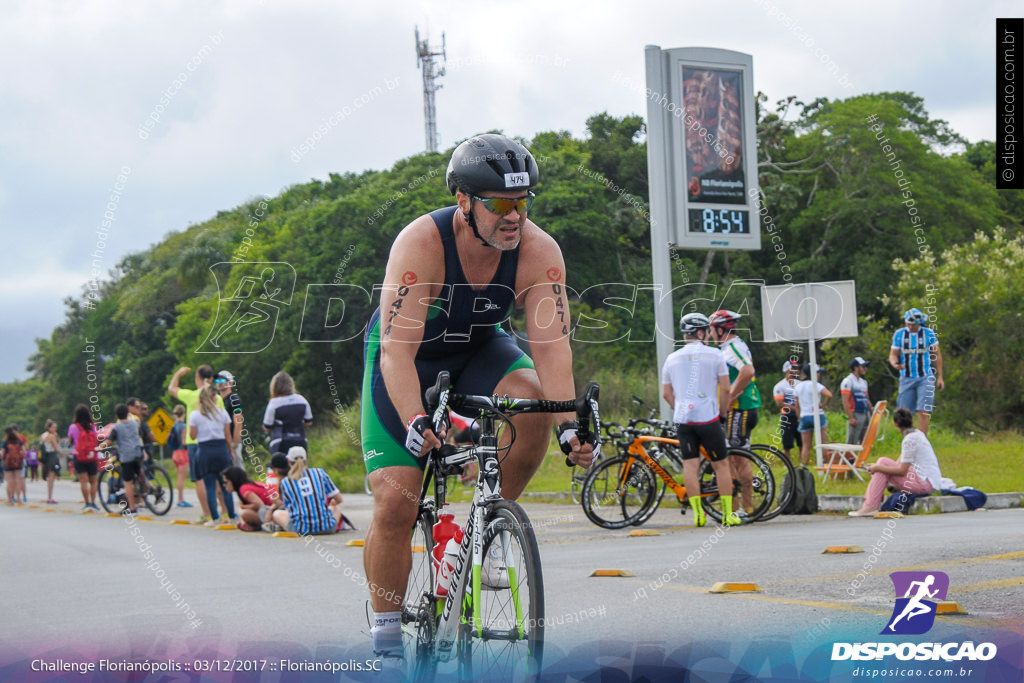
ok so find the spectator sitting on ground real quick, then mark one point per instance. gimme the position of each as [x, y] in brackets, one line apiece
[277, 469]
[256, 501]
[916, 472]
[309, 497]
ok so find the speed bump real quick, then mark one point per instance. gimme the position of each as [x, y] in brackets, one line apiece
[112, 514]
[226, 527]
[33, 507]
[949, 607]
[285, 534]
[888, 514]
[356, 542]
[68, 512]
[644, 532]
[843, 549]
[612, 572]
[733, 587]
[144, 518]
[180, 521]
[49, 509]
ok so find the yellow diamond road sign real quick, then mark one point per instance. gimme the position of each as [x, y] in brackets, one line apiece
[160, 422]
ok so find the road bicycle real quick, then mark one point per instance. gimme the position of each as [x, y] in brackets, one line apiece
[784, 474]
[482, 632]
[624, 490]
[152, 487]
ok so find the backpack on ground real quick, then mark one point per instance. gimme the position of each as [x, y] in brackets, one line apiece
[805, 497]
[86, 445]
[14, 455]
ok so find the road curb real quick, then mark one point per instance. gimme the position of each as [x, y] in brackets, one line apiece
[996, 501]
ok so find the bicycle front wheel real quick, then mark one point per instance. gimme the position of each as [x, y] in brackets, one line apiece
[419, 612]
[618, 492]
[501, 637]
[110, 491]
[159, 494]
[754, 497]
[784, 474]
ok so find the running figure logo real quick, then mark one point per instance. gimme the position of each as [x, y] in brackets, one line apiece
[914, 612]
[255, 294]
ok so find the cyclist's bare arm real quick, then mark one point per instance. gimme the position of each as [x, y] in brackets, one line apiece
[413, 279]
[549, 323]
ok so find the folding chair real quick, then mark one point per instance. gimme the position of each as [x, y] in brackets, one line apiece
[848, 457]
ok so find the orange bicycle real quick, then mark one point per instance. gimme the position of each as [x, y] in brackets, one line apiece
[624, 490]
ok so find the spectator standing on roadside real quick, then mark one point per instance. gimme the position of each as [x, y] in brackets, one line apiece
[224, 381]
[138, 412]
[856, 402]
[785, 399]
[915, 354]
[287, 415]
[804, 392]
[916, 472]
[190, 397]
[84, 441]
[13, 459]
[210, 425]
[176, 442]
[49, 448]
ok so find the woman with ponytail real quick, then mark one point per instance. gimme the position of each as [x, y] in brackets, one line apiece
[309, 497]
[210, 425]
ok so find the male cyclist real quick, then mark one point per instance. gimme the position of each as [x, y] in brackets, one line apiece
[452, 278]
[744, 399]
[695, 381]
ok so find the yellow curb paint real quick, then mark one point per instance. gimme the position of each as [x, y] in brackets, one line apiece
[843, 549]
[612, 572]
[285, 534]
[734, 587]
[949, 607]
[990, 585]
[644, 532]
[356, 542]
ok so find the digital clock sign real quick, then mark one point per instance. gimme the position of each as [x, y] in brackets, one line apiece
[720, 221]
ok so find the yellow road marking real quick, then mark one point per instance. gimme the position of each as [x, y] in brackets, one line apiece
[909, 568]
[989, 585]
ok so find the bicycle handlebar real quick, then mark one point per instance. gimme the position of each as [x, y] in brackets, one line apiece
[440, 400]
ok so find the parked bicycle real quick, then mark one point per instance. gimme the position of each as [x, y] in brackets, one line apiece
[491, 634]
[624, 490]
[152, 487]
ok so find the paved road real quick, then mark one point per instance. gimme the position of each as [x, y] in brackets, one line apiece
[89, 585]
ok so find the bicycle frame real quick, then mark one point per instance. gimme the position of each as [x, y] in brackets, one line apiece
[636, 449]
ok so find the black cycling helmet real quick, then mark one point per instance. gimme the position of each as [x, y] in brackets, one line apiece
[491, 162]
[691, 322]
[725, 319]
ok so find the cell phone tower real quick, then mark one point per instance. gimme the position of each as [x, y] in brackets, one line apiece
[431, 72]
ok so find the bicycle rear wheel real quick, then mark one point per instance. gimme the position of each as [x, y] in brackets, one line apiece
[762, 486]
[159, 495]
[618, 492]
[501, 637]
[784, 474]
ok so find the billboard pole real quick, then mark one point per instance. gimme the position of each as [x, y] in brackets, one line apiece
[658, 142]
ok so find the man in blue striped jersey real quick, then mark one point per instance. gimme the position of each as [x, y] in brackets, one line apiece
[915, 354]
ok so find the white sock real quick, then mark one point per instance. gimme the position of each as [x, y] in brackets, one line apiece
[387, 631]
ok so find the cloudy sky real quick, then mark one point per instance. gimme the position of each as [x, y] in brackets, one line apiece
[232, 88]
